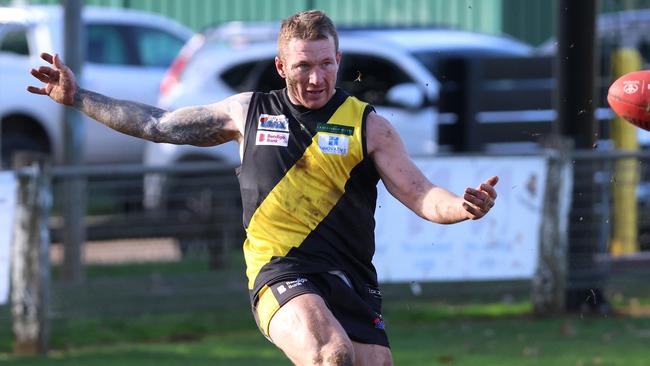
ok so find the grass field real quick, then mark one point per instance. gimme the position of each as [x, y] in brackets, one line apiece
[422, 333]
[478, 327]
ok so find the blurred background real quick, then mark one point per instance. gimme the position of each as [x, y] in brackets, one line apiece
[124, 243]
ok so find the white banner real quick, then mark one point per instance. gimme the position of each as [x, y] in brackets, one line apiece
[7, 207]
[502, 245]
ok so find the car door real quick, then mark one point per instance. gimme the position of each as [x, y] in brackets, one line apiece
[125, 62]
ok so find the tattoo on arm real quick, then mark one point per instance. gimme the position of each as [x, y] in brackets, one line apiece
[199, 126]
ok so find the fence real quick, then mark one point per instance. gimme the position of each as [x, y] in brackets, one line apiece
[183, 253]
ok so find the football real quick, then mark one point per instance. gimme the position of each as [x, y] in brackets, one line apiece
[629, 97]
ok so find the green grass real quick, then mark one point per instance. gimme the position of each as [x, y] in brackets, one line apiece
[422, 333]
[189, 266]
[448, 324]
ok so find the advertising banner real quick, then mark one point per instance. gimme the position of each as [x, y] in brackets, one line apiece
[502, 245]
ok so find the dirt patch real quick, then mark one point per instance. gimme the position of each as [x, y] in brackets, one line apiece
[123, 251]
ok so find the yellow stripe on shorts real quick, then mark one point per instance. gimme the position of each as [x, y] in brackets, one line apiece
[267, 306]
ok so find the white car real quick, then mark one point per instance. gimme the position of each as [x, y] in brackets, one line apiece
[128, 52]
[395, 70]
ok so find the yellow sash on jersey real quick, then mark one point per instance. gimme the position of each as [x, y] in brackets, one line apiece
[304, 196]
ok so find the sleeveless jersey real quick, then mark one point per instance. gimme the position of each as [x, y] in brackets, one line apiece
[308, 190]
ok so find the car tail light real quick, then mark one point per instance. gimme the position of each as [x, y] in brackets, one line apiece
[170, 80]
[173, 74]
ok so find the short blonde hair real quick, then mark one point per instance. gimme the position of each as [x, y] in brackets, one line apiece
[307, 25]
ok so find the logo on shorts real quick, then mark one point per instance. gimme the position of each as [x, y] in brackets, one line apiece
[378, 322]
[281, 289]
[374, 292]
[298, 282]
[273, 122]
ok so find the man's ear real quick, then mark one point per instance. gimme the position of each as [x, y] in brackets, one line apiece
[279, 67]
[338, 57]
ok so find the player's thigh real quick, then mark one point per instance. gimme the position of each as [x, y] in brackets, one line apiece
[304, 328]
[371, 355]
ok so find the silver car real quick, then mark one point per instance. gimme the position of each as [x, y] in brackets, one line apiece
[128, 52]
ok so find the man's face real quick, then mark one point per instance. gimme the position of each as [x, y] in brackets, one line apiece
[310, 69]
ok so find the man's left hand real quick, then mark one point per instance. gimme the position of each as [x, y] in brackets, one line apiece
[479, 201]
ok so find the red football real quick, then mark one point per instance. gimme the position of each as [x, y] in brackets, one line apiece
[629, 97]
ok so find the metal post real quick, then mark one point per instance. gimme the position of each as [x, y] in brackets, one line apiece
[30, 272]
[576, 67]
[74, 189]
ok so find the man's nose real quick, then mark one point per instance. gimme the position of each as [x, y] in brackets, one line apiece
[315, 76]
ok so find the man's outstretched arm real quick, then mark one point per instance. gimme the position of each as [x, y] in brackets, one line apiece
[406, 182]
[201, 125]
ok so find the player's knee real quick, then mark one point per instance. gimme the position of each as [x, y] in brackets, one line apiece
[336, 354]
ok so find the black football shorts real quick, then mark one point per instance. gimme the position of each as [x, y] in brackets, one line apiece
[358, 311]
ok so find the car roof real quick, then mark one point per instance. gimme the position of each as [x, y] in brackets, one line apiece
[411, 39]
[627, 25]
[34, 14]
[624, 18]
[229, 54]
[419, 39]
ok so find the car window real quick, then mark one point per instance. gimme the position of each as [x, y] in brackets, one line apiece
[156, 48]
[108, 44]
[268, 79]
[370, 77]
[15, 41]
[257, 75]
[432, 59]
[236, 77]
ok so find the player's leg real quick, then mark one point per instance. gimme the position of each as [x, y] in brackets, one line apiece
[371, 355]
[307, 332]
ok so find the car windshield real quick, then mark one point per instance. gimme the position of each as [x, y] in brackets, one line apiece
[432, 59]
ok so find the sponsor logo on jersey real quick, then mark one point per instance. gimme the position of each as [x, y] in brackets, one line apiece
[333, 144]
[271, 122]
[334, 128]
[272, 138]
[281, 289]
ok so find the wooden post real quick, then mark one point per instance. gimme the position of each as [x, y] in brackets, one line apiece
[30, 272]
[549, 282]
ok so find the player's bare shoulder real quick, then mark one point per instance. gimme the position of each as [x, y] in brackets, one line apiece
[227, 119]
[380, 133]
[237, 108]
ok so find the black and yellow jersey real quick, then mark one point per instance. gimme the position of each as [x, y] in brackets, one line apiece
[308, 189]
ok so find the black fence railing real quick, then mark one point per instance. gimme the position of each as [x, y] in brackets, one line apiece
[503, 101]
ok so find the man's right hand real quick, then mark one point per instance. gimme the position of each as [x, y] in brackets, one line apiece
[60, 82]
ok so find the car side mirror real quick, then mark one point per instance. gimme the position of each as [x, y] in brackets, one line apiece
[406, 95]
